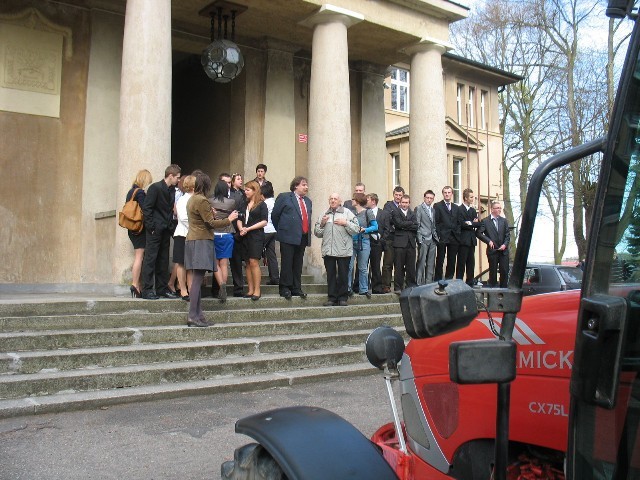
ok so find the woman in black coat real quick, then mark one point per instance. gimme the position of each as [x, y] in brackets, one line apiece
[138, 240]
[251, 230]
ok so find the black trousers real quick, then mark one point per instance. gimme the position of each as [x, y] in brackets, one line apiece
[291, 258]
[498, 263]
[466, 263]
[270, 255]
[404, 260]
[155, 266]
[337, 282]
[235, 262]
[375, 275]
[450, 250]
[387, 264]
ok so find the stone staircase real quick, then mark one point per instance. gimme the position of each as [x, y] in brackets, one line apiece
[57, 356]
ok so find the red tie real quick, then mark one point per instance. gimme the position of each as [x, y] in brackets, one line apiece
[305, 219]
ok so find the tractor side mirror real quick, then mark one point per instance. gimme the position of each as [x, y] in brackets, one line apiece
[437, 308]
[384, 348]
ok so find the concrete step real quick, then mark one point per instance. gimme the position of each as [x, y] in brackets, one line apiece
[271, 310]
[55, 382]
[35, 308]
[13, 342]
[70, 359]
[63, 402]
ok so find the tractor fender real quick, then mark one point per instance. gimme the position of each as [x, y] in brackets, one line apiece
[311, 443]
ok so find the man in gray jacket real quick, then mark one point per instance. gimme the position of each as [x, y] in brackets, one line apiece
[427, 239]
[336, 227]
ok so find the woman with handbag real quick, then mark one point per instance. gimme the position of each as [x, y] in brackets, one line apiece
[138, 240]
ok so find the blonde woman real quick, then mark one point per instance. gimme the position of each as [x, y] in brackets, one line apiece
[251, 230]
[179, 236]
[138, 240]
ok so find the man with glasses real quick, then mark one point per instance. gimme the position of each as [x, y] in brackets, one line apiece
[158, 217]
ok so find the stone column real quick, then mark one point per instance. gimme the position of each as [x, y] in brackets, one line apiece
[427, 140]
[329, 113]
[373, 145]
[145, 107]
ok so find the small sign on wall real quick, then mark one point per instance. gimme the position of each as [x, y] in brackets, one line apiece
[302, 138]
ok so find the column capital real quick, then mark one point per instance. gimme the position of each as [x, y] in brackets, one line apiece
[330, 14]
[427, 44]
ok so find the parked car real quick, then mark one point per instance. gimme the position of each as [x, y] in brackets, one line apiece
[541, 278]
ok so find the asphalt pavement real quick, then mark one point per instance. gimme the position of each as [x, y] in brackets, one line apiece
[185, 438]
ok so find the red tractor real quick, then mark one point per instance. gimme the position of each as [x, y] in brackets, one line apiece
[494, 386]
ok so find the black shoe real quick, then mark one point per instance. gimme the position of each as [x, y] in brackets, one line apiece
[329, 304]
[150, 296]
[198, 323]
[300, 294]
[272, 282]
[343, 303]
[185, 298]
[255, 298]
[368, 294]
[286, 295]
[135, 293]
[239, 295]
[169, 294]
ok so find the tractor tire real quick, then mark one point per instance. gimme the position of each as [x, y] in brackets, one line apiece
[251, 462]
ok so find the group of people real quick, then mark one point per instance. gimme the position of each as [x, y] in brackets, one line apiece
[210, 233]
[362, 244]
[416, 246]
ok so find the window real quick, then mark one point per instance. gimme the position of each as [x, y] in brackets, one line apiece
[471, 116]
[483, 109]
[400, 90]
[457, 179]
[459, 95]
[396, 169]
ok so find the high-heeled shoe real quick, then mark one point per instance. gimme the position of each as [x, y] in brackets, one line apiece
[255, 297]
[135, 293]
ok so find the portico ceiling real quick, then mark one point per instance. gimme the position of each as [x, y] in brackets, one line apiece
[389, 25]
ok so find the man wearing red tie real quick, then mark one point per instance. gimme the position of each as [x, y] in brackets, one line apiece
[291, 218]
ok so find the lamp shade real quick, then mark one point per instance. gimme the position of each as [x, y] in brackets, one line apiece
[222, 60]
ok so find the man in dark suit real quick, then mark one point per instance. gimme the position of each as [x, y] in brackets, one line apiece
[158, 216]
[494, 231]
[468, 221]
[404, 245]
[236, 193]
[291, 217]
[447, 229]
[375, 257]
[387, 232]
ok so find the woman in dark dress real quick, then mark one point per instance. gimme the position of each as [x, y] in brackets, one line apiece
[138, 240]
[251, 229]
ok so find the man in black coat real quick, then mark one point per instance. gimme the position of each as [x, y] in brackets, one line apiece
[387, 233]
[291, 217]
[494, 231]
[405, 223]
[468, 221]
[447, 228]
[158, 216]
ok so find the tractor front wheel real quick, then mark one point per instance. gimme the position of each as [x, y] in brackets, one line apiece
[251, 462]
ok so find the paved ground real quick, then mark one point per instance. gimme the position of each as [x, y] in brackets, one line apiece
[186, 438]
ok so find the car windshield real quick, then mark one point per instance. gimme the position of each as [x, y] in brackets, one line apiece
[570, 274]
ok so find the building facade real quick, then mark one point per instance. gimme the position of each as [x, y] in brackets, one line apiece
[91, 91]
